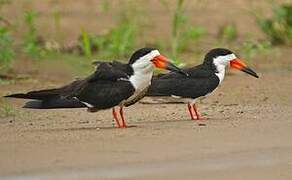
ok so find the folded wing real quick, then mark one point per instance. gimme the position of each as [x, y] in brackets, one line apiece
[199, 83]
[95, 89]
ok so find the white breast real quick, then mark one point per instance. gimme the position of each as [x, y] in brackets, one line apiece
[142, 76]
[221, 73]
[221, 62]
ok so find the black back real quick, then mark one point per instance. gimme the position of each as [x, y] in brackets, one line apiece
[108, 86]
[117, 65]
[201, 80]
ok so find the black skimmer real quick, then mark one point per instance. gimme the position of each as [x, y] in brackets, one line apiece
[202, 79]
[112, 84]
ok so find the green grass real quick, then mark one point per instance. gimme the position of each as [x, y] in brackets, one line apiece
[183, 34]
[117, 42]
[278, 28]
[86, 44]
[6, 81]
[249, 49]
[7, 110]
[227, 33]
[178, 20]
[7, 53]
[80, 65]
[31, 45]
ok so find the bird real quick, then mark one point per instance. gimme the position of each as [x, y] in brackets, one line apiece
[202, 79]
[112, 84]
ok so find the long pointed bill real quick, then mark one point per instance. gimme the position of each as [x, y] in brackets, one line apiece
[238, 64]
[162, 63]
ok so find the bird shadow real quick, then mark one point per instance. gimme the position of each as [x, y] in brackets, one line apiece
[140, 124]
[199, 122]
[96, 128]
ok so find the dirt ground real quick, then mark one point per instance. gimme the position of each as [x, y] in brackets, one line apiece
[247, 136]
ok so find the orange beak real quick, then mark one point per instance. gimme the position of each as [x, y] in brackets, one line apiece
[162, 63]
[238, 64]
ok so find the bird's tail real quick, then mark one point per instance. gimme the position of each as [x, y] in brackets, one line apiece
[40, 95]
[54, 103]
[47, 99]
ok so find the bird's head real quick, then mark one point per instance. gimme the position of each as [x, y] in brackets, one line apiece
[144, 57]
[221, 57]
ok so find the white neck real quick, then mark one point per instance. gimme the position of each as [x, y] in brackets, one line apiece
[141, 78]
[221, 72]
[220, 63]
[143, 71]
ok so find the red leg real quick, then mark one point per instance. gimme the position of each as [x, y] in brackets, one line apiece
[191, 112]
[197, 114]
[123, 117]
[116, 118]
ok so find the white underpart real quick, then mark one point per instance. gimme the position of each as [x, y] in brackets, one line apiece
[221, 62]
[176, 97]
[143, 71]
[182, 99]
[85, 103]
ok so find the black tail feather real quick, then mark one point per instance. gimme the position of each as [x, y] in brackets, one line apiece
[41, 95]
[47, 99]
[18, 95]
[55, 103]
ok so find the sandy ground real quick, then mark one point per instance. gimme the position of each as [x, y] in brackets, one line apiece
[247, 136]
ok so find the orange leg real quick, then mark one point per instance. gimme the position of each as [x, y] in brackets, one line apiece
[123, 117]
[191, 112]
[197, 114]
[116, 118]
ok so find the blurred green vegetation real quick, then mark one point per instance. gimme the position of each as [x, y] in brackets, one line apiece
[121, 39]
[183, 33]
[250, 49]
[278, 28]
[31, 45]
[7, 110]
[86, 43]
[227, 33]
[7, 53]
[117, 42]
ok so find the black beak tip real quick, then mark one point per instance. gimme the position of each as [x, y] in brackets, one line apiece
[184, 73]
[174, 68]
[250, 72]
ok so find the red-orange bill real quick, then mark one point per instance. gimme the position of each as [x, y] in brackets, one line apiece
[238, 64]
[162, 62]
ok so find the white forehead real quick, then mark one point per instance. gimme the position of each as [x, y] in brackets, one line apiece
[145, 60]
[151, 55]
[223, 60]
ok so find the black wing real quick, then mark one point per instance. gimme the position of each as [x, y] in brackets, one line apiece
[117, 66]
[105, 88]
[199, 71]
[200, 82]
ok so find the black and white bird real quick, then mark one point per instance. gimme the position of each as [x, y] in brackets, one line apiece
[112, 84]
[202, 79]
